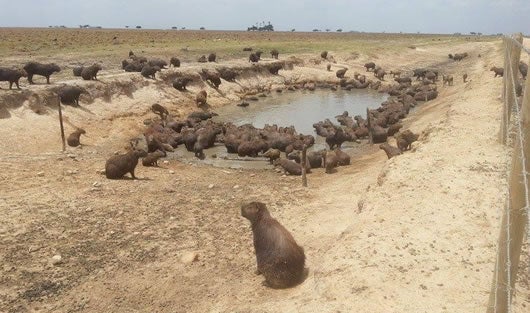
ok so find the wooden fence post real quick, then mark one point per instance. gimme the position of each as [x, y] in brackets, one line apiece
[369, 126]
[517, 216]
[303, 162]
[61, 123]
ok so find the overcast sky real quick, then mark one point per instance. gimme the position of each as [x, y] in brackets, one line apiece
[426, 16]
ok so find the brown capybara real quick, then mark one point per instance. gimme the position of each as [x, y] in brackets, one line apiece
[132, 66]
[70, 94]
[149, 71]
[201, 97]
[90, 72]
[73, 138]
[77, 70]
[324, 55]
[499, 71]
[405, 139]
[340, 73]
[330, 162]
[279, 258]
[212, 77]
[157, 62]
[119, 165]
[253, 57]
[393, 129]
[464, 77]
[247, 49]
[46, 70]
[395, 73]
[291, 167]
[403, 80]
[174, 61]
[342, 157]
[447, 79]
[275, 54]
[390, 151]
[272, 154]
[523, 68]
[202, 59]
[212, 57]
[180, 83]
[328, 67]
[152, 158]
[370, 66]
[160, 110]
[12, 76]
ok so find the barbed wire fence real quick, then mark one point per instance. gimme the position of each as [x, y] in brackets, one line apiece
[515, 221]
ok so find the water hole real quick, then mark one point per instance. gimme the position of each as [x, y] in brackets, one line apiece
[298, 108]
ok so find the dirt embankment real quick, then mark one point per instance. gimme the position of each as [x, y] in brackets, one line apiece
[412, 234]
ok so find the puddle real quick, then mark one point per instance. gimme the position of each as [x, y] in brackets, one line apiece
[298, 108]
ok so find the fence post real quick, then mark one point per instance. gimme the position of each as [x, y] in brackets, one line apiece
[369, 126]
[303, 162]
[61, 123]
[512, 56]
[510, 248]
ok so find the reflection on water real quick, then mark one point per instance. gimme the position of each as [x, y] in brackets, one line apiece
[299, 108]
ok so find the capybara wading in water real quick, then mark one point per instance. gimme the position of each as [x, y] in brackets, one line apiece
[280, 259]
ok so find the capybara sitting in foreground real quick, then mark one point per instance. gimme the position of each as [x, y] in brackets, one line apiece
[46, 70]
[201, 97]
[119, 165]
[11, 76]
[73, 138]
[279, 258]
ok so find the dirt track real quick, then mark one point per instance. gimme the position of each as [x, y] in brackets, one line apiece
[413, 234]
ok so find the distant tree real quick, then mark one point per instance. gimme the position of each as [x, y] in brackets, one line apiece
[327, 29]
[183, 28]
[126, 26]
[202, 28]
[473, 33]
[316, 30]
[293, 30]
[480, 34]
[174, 27]
[339, 30]
[138, 26]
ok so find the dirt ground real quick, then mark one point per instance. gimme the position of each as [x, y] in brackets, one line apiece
[416, 233]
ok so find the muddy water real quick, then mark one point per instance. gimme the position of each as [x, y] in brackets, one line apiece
[298, 108]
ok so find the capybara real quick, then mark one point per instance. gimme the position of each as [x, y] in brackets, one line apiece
[78, 69]
[180, 83]
[523, 68]
[464, 77]
[157, 62]
[149, 71]
[328, 67]
[275, 53]
[12, 76]
[46, 70]
[330, 161]
[202, 59]
[253, 58]
[247, 49]
[395, 73]
[390, 151]
[152, 158]
[272, 154]
[174, 61]
[70, 94]
[160, 110]
[212, 57]
[340, 73]
[403, 80]
[119, 165]
[405, 139]
[132, 66]
[279, 258]
[324, 55]
[370, 66]
[292, 168]
[447, 79]
[90, 72]
[201, 98]
[499, 71]
[342, 157]
[73, 138]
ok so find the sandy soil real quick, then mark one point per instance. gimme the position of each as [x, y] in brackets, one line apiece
[416, 233]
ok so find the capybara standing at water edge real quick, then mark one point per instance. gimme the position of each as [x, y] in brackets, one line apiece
[119, 165]
[280, 259]
[46, 70]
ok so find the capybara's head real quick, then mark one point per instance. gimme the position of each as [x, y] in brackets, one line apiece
[55, 67]
[493, 68]
[131, 53]
[253, 210]
[141, 153]
[22, 73]
[81, 131]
